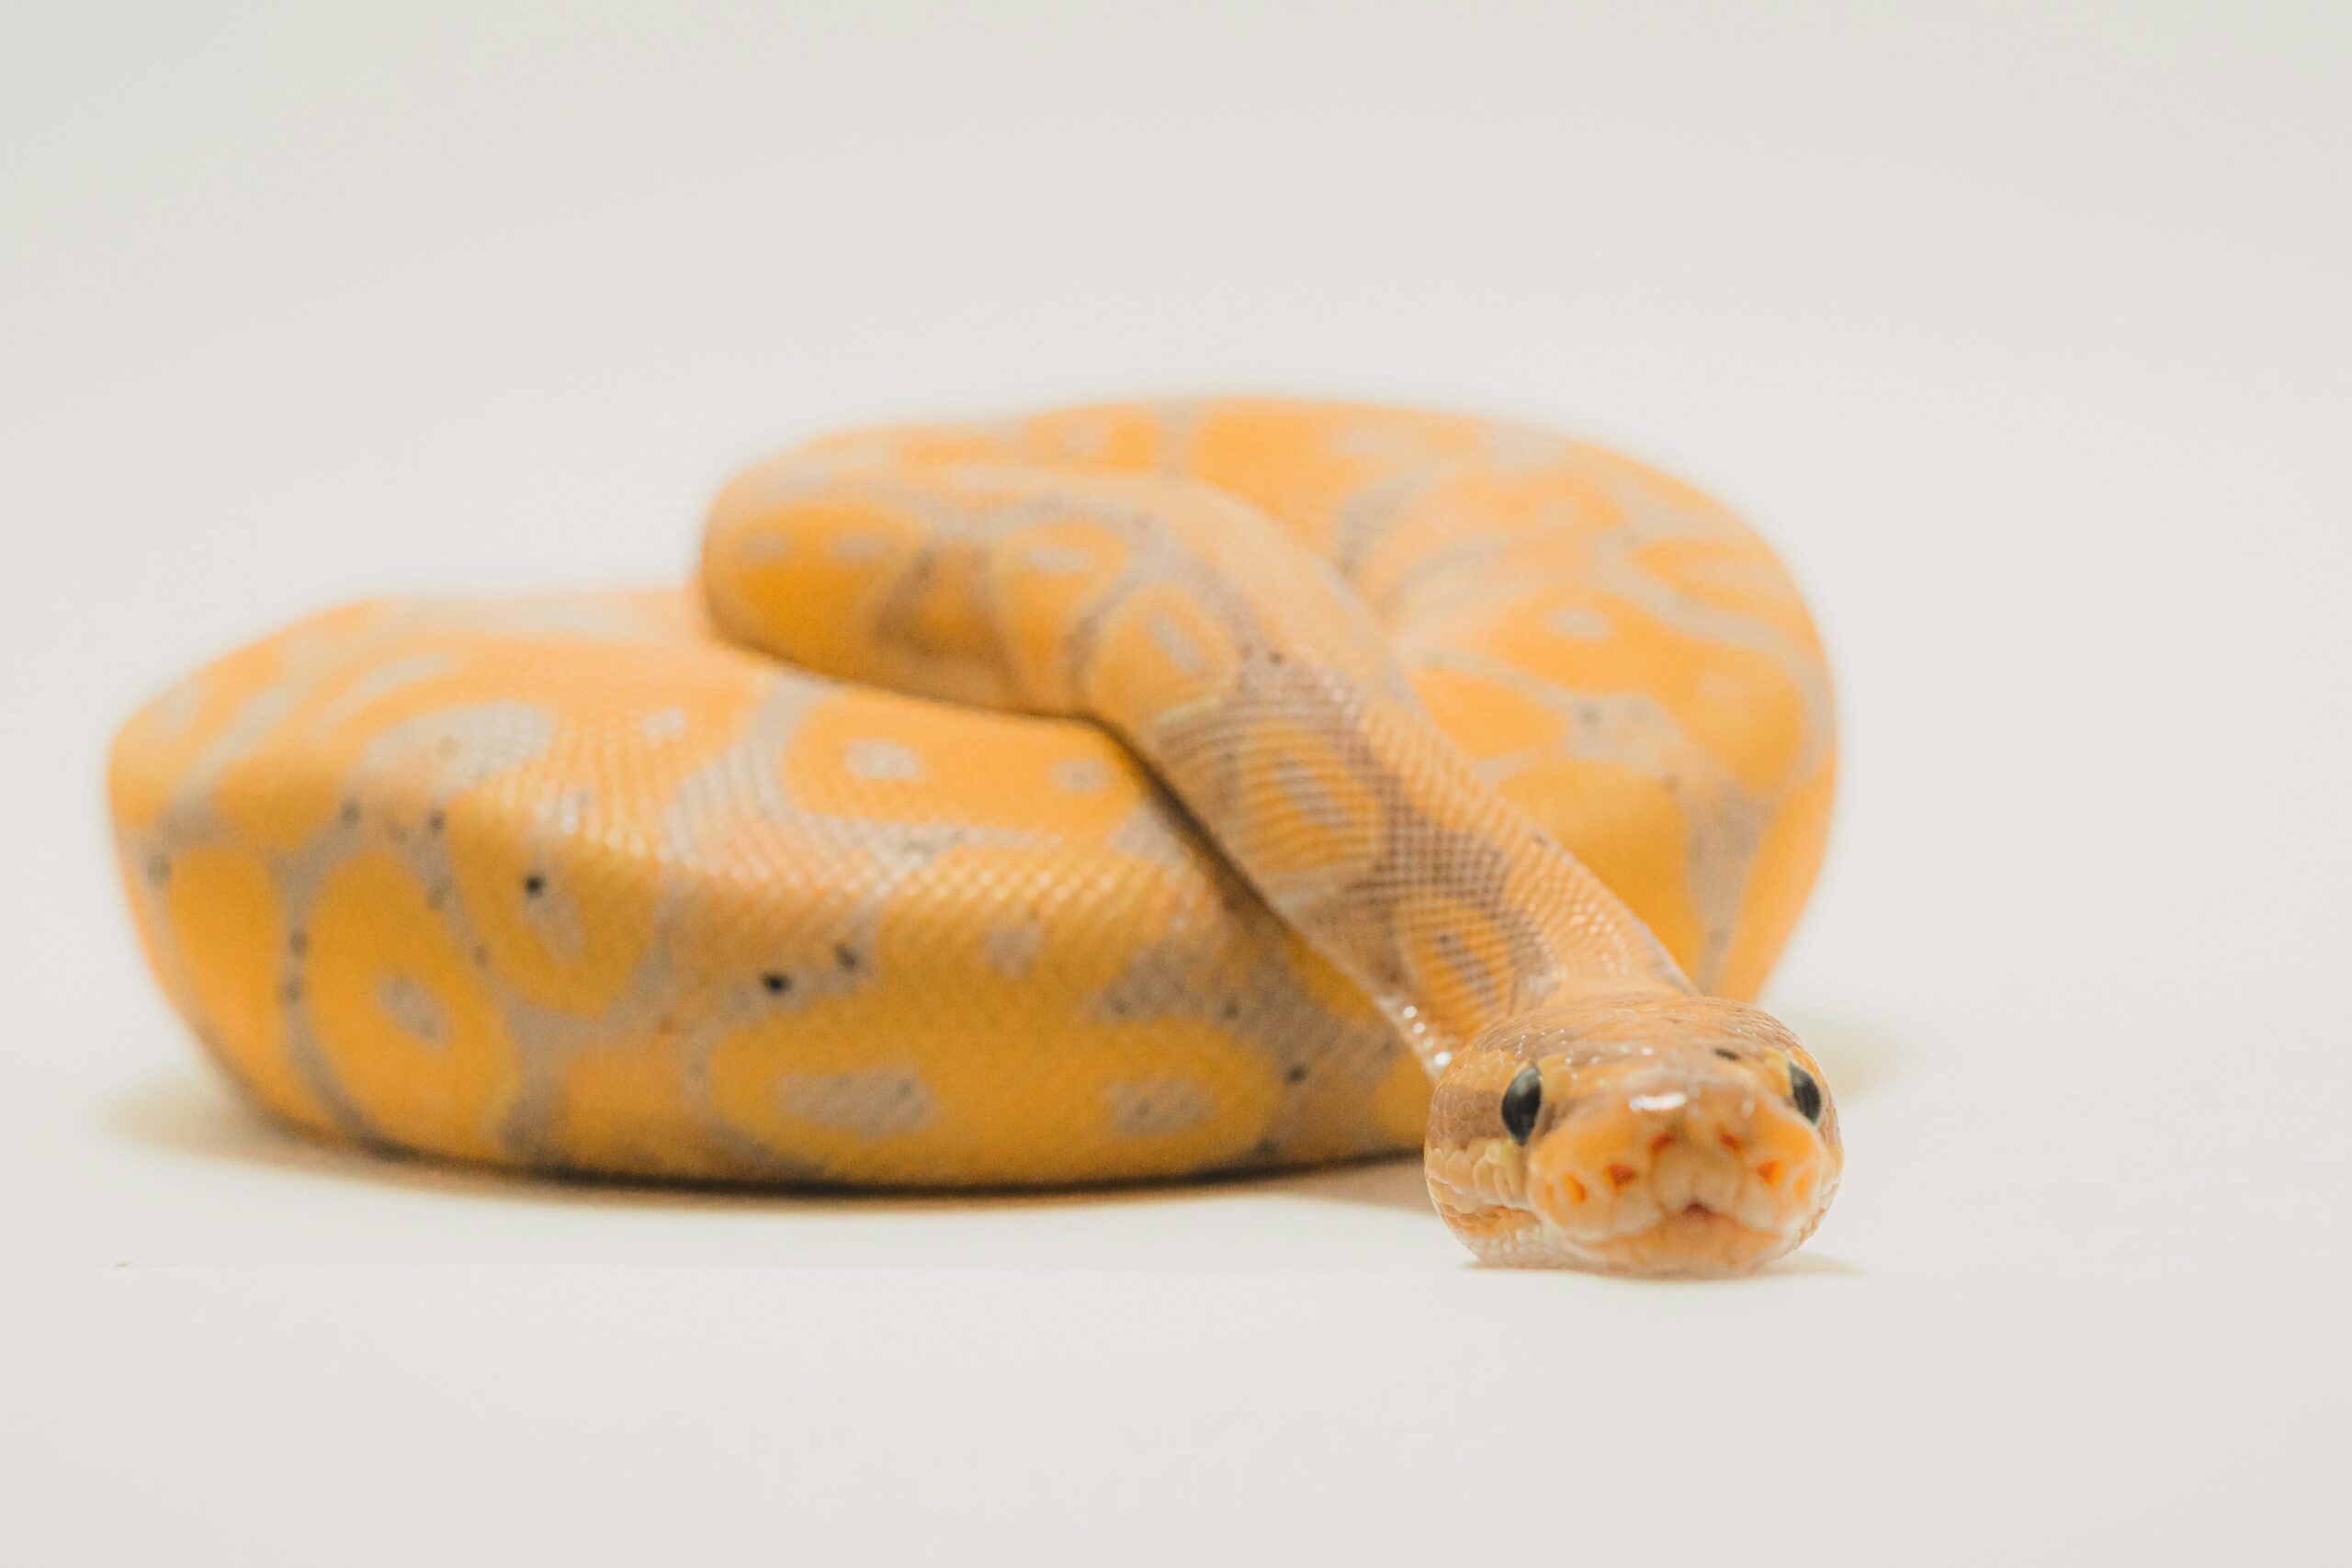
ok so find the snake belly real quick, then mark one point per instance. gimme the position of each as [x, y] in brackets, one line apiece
[601, 883]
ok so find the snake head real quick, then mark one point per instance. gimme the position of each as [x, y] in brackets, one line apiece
[1673, 1135]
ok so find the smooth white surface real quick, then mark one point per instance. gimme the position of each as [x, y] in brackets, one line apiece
[2026, 337]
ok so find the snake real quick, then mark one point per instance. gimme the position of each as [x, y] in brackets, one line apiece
[1133, 792]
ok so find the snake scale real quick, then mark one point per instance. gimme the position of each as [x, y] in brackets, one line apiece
[1124, 792]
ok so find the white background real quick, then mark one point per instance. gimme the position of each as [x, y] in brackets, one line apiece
[2023, 330]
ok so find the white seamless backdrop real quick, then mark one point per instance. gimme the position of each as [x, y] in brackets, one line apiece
[2021, 330]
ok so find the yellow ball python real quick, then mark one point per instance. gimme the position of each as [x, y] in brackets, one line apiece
[1125, 792]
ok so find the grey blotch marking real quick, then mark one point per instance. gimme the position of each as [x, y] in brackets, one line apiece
[415, 1009]
[1177, 645]
[1580, 621]
[876, 1103]
[564, 814]
[882, 760]
[177, 708]
[468, 745]
[1155, 1107]
[1471, 969]
[1307, 793]
[555, 918]
[1055, 559]
[252, 721]
[1090, 439]
[381, 680]
[1525, 447]
[1011, 949]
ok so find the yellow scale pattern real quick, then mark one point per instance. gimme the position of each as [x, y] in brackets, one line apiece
[622, 883]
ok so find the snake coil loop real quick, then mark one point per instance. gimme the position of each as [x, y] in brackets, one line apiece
[1123, 792]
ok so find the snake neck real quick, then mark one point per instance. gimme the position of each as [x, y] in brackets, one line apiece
[1245, 674]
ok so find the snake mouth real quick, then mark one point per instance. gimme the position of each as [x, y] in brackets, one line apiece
[1526, 1229]
[1506, 1222]
[1695, 1240]
[1705, 1182]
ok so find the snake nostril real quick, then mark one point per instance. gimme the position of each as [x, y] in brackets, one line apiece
[1622, 1176]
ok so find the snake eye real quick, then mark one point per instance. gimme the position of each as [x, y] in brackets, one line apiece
[1804, 1092]
[1522, 1103]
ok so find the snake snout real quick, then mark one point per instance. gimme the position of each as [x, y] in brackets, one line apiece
[1665, 1174]
[1654, 1135]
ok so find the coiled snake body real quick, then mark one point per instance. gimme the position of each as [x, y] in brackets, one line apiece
[1125, 792]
